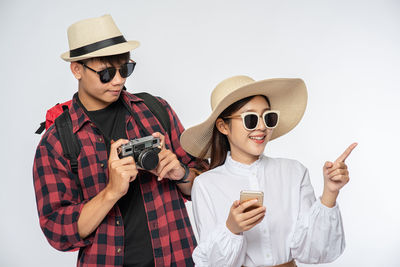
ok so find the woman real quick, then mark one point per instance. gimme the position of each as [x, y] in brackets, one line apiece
[291, 223]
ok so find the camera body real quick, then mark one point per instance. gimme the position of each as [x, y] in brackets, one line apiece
[143, 150]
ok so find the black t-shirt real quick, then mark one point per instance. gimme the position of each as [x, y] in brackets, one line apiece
[138, 249]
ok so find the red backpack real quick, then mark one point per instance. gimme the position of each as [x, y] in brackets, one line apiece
[52, 114]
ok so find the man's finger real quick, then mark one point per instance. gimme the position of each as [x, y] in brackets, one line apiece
[124, 161]
[130, 170]
[346, 153]
[114, 148]
[162, 139]
[163, 160]
[170, 166]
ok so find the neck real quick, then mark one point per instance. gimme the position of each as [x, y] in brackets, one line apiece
[91, 103]
[244, 159]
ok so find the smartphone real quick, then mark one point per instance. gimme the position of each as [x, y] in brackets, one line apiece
[246, 195]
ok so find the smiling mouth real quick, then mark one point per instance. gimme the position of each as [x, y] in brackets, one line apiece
[258, 138]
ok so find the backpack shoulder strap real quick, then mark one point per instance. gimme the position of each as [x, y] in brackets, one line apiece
[157, 109]
[70, 144]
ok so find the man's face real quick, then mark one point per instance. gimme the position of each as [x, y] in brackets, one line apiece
[94, 94]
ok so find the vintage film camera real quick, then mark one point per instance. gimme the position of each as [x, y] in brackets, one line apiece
[143, 150]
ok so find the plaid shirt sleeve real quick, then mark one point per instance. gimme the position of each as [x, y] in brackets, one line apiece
[57, 195]
[176, 131]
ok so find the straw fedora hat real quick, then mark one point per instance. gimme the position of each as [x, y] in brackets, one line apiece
[96, 37]
[288, 95]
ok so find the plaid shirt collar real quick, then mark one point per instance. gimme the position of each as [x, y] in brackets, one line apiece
[79, 117]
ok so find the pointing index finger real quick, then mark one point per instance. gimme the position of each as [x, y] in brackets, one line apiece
[346, 153]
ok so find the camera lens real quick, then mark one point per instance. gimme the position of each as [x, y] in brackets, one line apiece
[148, 159]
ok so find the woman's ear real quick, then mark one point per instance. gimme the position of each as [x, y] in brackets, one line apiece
[222, 126]
[76, 70]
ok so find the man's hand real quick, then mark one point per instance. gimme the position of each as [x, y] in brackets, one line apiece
[239, 221]
[336, 176]
[169, 166]
[120, 171]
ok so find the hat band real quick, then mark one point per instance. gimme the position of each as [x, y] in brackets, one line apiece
[96, 46]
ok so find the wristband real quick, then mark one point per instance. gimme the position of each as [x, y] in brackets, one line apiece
[183, 179]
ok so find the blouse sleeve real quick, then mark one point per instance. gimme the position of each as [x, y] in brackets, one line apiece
[217, 245]
[319, 235]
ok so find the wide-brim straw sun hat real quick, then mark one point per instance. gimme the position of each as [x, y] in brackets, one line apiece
[96, 37]
[288, 95]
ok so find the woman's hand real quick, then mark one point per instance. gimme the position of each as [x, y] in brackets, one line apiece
[239, 221]
[336, 176]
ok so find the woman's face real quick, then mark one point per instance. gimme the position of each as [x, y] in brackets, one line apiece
[247, 146]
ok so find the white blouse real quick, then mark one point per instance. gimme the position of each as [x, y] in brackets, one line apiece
[295, 226]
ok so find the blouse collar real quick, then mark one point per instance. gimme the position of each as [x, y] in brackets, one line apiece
[241, 168]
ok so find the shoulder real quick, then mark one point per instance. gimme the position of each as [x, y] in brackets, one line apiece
[209, 177]
[202, 185]
[162, 101]
[135, 97]
[284, 164]
[286, 171]
[50, 136]
[49, 143]
[166, 105]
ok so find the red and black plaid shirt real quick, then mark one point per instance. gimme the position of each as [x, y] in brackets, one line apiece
[58, 201]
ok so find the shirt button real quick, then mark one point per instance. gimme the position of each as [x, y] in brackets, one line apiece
[117, 222]
[100, 139]
[102, 165]
[91, 124]
[119, 250]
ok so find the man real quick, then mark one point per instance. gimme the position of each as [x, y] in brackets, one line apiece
[128, 216]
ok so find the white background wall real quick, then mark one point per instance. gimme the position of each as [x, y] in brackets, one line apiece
[346, 51]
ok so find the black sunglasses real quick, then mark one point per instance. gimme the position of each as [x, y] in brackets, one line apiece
[108, 74]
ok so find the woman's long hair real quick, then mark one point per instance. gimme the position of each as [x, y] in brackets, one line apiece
[219, 143]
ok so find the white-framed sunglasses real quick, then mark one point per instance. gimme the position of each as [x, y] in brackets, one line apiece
[252, 119]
